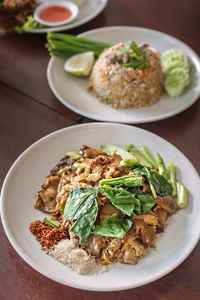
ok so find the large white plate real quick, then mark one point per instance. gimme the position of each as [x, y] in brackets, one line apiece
[87, 11]
[28, 173]
[72, 91]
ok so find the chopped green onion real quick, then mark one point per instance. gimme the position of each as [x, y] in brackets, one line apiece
[137, 64]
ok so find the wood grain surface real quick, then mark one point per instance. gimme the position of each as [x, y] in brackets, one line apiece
[29, 111]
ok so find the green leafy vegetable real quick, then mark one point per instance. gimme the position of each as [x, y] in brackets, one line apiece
[82, 206]
[144, 204]
[111, 149]
[137, 155]
[84, 225]
[74, 154]
[51, 223]
[78, 202]
[158, 182]
[30, 24]
[121, 199]
[131, 164]
[127, 202]
[128, 181]
[113, 227]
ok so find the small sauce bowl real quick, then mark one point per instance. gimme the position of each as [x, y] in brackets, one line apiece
[55, 13]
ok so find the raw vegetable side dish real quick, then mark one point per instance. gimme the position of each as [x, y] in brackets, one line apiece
[106, 206]
[125, 75]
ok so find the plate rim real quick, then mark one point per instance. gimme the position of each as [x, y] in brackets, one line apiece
[72, 25]
[23, 254]
[162, 116]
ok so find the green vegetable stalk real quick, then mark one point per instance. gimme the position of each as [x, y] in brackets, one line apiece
[161, 166]
[181, 195]
[128, 181]
[149, 157]
[66, 45]
[51, 223]
[172, 178]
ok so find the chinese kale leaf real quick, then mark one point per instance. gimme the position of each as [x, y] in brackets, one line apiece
[127, 181]
[121, 199]
[128, 203]
[161, 186]
[113, 227]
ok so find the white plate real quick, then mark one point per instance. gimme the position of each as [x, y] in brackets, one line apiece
[87, 11]
[28, 173]
[72, 91]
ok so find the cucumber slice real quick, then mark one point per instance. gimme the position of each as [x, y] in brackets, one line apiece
[175, 83]
[176, 68]
[174, 59]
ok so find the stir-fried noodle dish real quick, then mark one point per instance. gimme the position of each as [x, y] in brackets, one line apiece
[105, 206]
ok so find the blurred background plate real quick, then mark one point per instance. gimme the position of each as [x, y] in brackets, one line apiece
[72, 91]
[88, 10]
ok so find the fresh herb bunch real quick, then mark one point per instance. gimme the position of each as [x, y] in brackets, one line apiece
[66, 45]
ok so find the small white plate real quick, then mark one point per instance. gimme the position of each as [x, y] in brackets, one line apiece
[72, 91]
[28, 173]
[88, 10]
[47, 4]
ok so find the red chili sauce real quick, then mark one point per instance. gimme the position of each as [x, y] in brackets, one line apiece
[55, 14]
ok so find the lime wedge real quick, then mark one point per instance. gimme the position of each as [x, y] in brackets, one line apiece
[80, 64]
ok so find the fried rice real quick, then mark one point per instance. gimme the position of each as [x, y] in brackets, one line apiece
[126, 87]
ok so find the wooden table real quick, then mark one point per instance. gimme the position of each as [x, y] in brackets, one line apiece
[29, 111]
